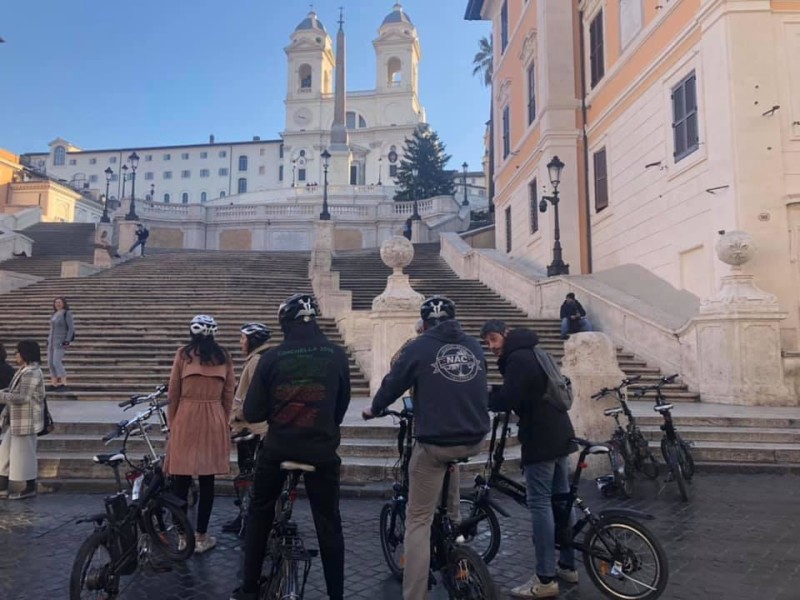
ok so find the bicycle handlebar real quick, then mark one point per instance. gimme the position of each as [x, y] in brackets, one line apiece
[625, 382]
[140, 398]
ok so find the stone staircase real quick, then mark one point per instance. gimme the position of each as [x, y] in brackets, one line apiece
[52, 244]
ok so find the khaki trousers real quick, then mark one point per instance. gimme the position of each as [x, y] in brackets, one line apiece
[426, 469]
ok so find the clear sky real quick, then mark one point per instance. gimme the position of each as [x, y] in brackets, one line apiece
[107, 74]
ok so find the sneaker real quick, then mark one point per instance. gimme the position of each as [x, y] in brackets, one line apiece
[233, 526]
[22, 495]
[533, 588]
[239, 594]
[204, 543]
[567, 575]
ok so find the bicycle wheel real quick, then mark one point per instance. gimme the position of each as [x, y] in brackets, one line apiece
[393, 532]
[285, 584]
[645, 460]
[169, 529]
[685, 459]
[671, 452]
[481, 528]
[92, 575]
[623, 477]
[624, 560]
[466, 576]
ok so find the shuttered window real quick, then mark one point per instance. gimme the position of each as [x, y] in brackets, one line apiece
[684, 117]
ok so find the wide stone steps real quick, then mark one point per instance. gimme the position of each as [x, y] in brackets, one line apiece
[52, 244]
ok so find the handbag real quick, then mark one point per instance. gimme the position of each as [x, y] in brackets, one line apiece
[49, 424]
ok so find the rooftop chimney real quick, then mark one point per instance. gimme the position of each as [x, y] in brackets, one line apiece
[211, 139]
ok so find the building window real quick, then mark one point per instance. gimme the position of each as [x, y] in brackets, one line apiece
[204, 155]
[59, 156]
[353, 174]
[351, 120]
[222, 194]
[531, 93]
[185, 197]
[280, 172]
[242, 185]
[596, 51]
[600, 180]
[167, 157]
[92, 161]
[167, 174]
[93, 178]
[506, 132]
[223, 172]
[223, 153]
[508, 229]
[533, 194]
[186, 174]
[185, 156]
[114, 177]
[504, 27]
[684, 117]
[262, 169]
[113, 160]
[148, 158]
[243, 163]
[302, 153]
[72, 162]
[261, 152]
[630, 21]
[148, 175]
[301, 174]
[203, 197]
[392, 170]
[166, 198]
[305, 77]
[204, 172]
[362, 122]
[280, 151]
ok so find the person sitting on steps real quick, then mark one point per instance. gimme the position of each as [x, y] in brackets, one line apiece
[573, 317]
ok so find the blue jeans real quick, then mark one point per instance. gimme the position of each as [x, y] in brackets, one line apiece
[543, 480]
[581, 324]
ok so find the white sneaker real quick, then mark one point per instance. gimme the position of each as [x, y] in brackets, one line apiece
[204, 543]
[533, 588]
[567, 575]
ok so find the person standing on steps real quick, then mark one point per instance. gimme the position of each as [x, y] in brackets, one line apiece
[302, 389]
[253, 344]
[573, 317]
[200, 400]
[142, 233]
[446, 369]
[22, 419]
[62, 334]
[545, 434]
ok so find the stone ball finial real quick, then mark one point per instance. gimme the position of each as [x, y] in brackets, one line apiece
[735, 248]
[397, 253]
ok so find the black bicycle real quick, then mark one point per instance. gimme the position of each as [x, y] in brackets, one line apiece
[622, 557]
[464, 573]
[677, 453]
[243, 482]
[138, 519]
[288, 558]
[630, 450]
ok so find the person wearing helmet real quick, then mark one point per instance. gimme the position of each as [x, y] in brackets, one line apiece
[200, 400]
[447, 371]
[253, 343]
[301, 387]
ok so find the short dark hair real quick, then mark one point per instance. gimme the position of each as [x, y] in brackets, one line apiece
[29, 351]
[571, 296]
[3, 353]
[493, 326]
[64, 300]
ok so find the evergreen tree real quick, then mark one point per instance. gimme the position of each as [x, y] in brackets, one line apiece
[424, 151]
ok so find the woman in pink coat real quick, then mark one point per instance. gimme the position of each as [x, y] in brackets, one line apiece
[200, 398]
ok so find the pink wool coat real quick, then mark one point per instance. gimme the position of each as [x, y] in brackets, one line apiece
[200, 400]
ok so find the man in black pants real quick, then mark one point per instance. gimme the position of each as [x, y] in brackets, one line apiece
[302, 389]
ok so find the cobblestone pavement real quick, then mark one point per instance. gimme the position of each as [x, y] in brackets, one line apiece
[738, 538]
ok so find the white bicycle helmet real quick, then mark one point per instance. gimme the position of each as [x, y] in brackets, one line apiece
[204, 325]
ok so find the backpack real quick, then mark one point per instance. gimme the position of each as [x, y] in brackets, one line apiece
[559, 388]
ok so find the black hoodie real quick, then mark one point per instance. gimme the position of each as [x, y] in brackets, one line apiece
[544, 431]
[447, 370]
[302, 389]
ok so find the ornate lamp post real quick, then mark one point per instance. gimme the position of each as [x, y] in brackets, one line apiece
[464, 167]
[152, 192]
[557, 267]
[415, 215]
[109, 174]
[124, 172]
[133, 159]
[380, 170]
[325, 215]
[294, 170]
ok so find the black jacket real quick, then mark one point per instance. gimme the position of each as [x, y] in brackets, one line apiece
[544, 431]
[575, 308]
[6, 374]
[447, 370]
[302, 389]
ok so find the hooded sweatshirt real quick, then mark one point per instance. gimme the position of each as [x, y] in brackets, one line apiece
[545, 432]
[447, 371]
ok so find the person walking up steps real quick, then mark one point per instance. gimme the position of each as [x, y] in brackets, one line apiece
[142, 233]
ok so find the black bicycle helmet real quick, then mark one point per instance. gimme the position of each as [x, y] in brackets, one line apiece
[437, 308]
[256, 333]
[298, 306]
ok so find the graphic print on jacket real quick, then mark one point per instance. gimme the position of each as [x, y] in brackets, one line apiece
[456, 363]
[298, 398]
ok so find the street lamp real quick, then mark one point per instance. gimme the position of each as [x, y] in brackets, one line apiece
[325, 215]
[109, 174]
[294, 170]
[124, 171]
[465, 166]
[380, 170]
[415, 215]
[557, 267]
[152, 192]
[133, 159]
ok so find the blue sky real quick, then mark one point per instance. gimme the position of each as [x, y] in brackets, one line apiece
[124, 74]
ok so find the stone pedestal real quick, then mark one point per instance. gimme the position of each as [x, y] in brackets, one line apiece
[127, 236]
[395, 311]
[738, 336]
[322, 253]
[590, 361]
[103, 245]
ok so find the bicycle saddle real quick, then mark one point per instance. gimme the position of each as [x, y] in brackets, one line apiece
[459, 460]
[296, 466]
[594, 447]
[662, 407]
[244, 436]
[610, 412]
[109, 459]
